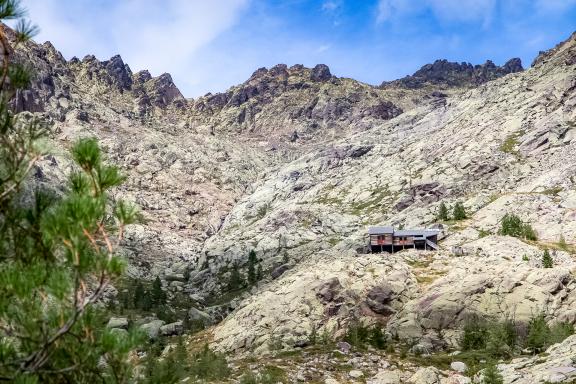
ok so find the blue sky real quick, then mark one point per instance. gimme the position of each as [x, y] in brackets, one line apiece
[209, 45]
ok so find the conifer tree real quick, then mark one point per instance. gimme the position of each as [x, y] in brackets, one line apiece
[57, 251]
[443, 212]
[252, 261]
[491, 375]
[547, 261]
[459, 212]
[236, 280]
[158, 296]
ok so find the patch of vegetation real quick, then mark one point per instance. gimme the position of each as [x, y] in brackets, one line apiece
[268, 375]
[512, 225]
[483, 233]
[510, 143]
[554, 191]
[378, 198]
[503, 339]
[360, 336]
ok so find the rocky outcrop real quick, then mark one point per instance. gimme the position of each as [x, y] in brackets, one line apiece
[446, 74]
[322, 295]
[493, 283]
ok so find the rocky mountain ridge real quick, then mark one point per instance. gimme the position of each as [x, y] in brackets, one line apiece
[445, 74]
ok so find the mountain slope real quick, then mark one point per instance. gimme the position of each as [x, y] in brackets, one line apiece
[506, 146]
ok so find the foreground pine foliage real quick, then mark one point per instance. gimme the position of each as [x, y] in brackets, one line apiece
[57, 250]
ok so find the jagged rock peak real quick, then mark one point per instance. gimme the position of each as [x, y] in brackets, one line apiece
[568, 46]
[451, 74]
[320, 72]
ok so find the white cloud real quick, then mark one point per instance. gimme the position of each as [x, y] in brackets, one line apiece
[159, 36]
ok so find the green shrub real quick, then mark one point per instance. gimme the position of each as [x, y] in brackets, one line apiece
[376, 338]
[475, 333]
[356, 335]
[209, 365]
[547, 261]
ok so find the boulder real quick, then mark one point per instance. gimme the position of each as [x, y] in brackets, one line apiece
[379, 298]
[118, 322]
[152, 329]
[426, 375]
[355, 374]
[278, 271]
[195, 314]
[386, 377]
[458, 366]
[171, 329]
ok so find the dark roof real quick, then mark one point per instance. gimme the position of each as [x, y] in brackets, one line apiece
[380, 230]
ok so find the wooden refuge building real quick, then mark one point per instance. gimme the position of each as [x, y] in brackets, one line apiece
[386, 239]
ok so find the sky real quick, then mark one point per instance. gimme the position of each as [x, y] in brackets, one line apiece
[210, 45]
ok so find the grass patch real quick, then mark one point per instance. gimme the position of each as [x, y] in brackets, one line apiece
[510, 143]
[554, 191]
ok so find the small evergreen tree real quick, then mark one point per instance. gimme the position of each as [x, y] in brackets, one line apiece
[158, 296]
[252, 261]
[538, 334]
[492, 375]
[443, 212]
[236, 280]
[547, 261]
[459, 212]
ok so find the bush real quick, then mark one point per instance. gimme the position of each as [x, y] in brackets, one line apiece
[356, 335]
[475, 334]
[547, 261]
[376, 338]
[512, 225]
[459, 212]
